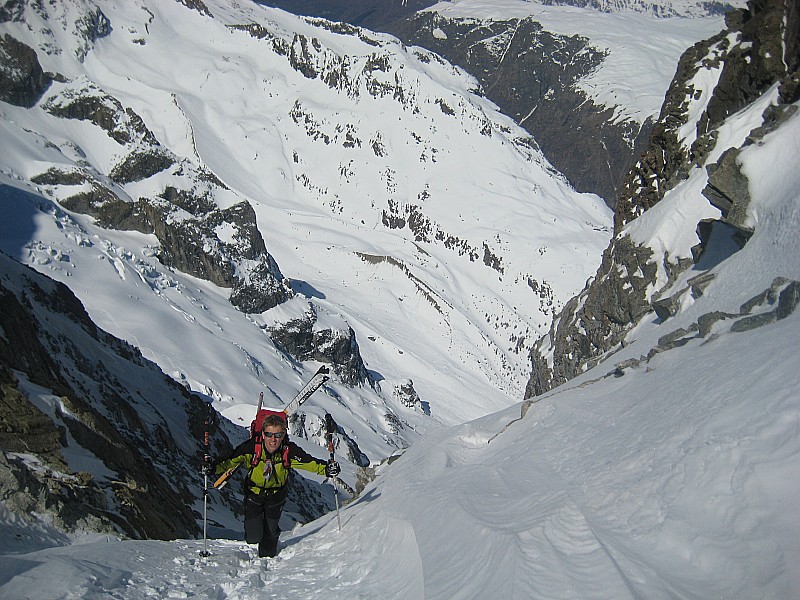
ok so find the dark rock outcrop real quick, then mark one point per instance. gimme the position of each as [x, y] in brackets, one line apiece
[727, 187]
[264, 288]
[773, 304]
[83, 101]
[197, 5]
[22, 80]
[184, 216]
[597, 319]
[107, 402]
[303, 339]
[749, 67]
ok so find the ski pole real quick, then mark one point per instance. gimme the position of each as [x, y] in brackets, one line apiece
[206, 465]
[330, 429]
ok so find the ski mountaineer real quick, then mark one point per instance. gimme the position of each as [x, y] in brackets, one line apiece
[271, 457]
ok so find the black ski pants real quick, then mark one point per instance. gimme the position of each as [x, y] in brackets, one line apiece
[261, 516]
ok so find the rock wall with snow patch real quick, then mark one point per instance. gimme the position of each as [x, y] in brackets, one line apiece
[93, 435]
[752, 67]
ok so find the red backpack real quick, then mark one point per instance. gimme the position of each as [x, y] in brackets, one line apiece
[255, 433]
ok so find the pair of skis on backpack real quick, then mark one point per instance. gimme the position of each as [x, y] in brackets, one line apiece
[319, 378]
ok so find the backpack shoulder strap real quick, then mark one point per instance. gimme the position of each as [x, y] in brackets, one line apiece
[258, 449]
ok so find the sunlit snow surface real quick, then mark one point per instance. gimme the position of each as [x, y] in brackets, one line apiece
[677, 480]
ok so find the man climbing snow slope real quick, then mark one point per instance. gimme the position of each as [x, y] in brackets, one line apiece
[271, 457]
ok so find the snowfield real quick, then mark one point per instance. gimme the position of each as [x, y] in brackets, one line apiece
[676, 478]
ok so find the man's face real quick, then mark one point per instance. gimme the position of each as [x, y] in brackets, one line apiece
[273, 436]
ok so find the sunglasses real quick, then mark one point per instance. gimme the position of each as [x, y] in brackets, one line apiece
[278, 435]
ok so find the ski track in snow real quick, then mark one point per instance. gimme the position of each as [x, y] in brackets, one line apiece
[128, 570]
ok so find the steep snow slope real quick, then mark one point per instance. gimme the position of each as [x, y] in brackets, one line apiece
[677, 479]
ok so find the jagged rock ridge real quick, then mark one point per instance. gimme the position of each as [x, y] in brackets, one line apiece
[759, 50]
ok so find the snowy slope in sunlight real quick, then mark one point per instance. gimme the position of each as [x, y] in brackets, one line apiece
[642, 49]
[678, 479]
[506, 243]
[187, 324]
[637, 487]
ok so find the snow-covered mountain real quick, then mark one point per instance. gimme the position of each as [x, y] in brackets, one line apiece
[241, 194]
[585, 79]
[669, 470]
[259, 151]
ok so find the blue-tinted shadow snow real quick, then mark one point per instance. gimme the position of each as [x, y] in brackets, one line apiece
[376, 377]
[306, 289]
[722, 244]
[18, 210]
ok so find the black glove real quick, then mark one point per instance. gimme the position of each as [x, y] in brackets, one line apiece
[332, 469]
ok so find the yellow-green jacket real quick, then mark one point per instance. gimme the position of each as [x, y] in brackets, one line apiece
[270, 474]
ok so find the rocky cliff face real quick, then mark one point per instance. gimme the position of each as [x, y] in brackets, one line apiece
[759, 50]
[750, 57]
[532, 75]
[667, 8]
[22, 80]
[70, 390]
[305, 340]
